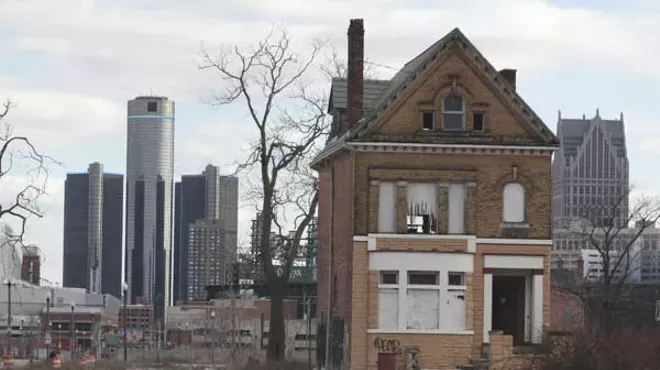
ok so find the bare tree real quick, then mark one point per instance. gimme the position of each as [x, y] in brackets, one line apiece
[19, 161]
[616, 237]
[270, 81]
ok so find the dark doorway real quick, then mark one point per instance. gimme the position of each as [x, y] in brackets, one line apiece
[509, 306]
[387, 361]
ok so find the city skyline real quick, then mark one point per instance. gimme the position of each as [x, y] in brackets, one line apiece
[574, 73]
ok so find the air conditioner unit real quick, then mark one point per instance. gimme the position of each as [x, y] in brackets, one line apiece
[657, 310]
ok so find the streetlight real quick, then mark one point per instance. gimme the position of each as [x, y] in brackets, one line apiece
[8, 283]
[48, 338]
[72, 329]
[124, 290]
[190, 342]
[212, 335]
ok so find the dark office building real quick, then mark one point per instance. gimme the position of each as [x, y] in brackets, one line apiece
[206, 196]
[93, 219]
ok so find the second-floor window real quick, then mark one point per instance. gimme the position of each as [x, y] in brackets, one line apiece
[422, 208]
[453, 113]
[513, 200]
[387, 207]
[456, 206]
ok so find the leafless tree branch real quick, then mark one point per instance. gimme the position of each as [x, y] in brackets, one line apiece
[272, 80]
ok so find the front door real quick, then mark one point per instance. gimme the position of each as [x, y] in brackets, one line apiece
[509, 306]
[387, 361]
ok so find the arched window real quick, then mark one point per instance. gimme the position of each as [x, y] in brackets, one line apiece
[453, 112]
[514, 203]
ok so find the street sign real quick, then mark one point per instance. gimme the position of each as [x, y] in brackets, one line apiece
[47, 339]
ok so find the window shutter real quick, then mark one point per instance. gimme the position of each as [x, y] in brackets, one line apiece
[387, 207]
[514, 203]
[456, 209]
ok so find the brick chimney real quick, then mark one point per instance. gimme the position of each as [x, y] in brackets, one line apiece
[510, 76]
[355, 71]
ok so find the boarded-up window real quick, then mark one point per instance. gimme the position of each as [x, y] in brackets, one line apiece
[387, 207]
[423, 309]
[514, 203]
[456, 209]
[388, 308]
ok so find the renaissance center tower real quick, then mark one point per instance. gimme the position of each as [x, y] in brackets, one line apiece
[149, 188]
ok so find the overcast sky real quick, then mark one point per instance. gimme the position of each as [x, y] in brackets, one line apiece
[71, 65]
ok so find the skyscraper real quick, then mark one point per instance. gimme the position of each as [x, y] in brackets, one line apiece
[149, 176]
[590, 171]
[31, 265]
[207, 196]
[93, 217]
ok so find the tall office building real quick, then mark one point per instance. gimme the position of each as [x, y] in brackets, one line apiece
[590, 171]
[31, 265]
[149, 180]
[206, 196]
[93, 217]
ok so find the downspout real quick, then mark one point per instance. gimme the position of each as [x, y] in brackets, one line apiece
[330, 250]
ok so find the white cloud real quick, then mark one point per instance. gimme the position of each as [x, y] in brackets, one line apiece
[53, 119]
[91, 56]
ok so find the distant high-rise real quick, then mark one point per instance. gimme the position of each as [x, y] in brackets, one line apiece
[590, 171]
[207, 196]
[149, 181]
[31, 265]
[93, 217]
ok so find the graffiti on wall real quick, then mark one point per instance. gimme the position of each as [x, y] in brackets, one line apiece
[384, 345]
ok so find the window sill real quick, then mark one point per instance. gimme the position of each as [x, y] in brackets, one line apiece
[411, 331]
[514, 225]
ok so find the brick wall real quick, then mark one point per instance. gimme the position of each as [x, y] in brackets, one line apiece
[484, 204]
[567, 313]
[338, 237]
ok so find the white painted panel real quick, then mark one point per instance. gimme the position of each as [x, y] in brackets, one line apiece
[387, 207]
[423, 309]
[388, 308]
[452, 312]
[459, 262]
[514, 203]
[456, 209]
[488, 306]
[513, 262]
[537, 308]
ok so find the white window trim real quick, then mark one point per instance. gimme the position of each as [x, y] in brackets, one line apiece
[403, 286]
[453, 112]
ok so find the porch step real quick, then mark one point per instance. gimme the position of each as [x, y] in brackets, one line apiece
[478, 364]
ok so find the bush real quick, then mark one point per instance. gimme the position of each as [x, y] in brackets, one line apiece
[621, 349]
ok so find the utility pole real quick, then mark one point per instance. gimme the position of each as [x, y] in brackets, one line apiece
[9, 319]
[309, 331]
[158, 341]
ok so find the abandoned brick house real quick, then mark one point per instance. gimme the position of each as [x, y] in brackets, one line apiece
[434, 213]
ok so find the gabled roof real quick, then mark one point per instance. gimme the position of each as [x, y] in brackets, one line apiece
[406, 76]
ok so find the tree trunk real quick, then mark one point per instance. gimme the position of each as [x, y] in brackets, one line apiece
[276, 332]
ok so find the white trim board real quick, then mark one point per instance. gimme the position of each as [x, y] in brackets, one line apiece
[513, 262]
[419, 261]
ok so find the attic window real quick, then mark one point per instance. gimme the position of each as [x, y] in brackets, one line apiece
[453, 111]
[478, 121]
[428, 120]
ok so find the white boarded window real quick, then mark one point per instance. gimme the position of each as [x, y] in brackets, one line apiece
[387, 207]
[388, 308]
[514, 203]
[422, 203]
[388, 300]
[456, 209]
[423, 309]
